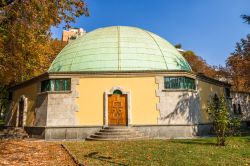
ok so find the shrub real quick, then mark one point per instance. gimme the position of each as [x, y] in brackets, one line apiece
[224, 124]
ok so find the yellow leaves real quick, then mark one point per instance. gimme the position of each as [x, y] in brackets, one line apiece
[14, 152]
[26, 49]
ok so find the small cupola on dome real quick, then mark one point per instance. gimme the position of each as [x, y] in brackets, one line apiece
[119, 48]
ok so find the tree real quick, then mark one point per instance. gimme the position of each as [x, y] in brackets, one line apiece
[25, 43]
[223, 123]
[3, 99]
[26, 46]
[239, 65]
[178, 46]
[199, 65]
[246, 18]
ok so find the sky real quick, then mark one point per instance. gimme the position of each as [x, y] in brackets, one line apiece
[210, 28]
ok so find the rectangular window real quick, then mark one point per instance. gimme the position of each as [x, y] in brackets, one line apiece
[55, 85]
[179, 83]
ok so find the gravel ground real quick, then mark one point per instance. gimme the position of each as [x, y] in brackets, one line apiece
[33, 153]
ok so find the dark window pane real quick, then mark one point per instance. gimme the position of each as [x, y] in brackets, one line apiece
[179, 83]
[55, 85]
[52, 85]
[182, 83]
[67, 84]
[117, 92]
[61, 85]
[45, 86]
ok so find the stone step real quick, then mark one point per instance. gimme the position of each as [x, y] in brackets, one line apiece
[116, 136]
[116, 130]
[117, 127]
[117, 133]
[117, 139]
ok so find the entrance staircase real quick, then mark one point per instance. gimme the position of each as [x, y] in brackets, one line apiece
[113, 133]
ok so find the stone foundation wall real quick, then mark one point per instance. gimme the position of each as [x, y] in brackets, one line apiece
[68, 133]
[175, 131]
[35, 132]
[153, 131]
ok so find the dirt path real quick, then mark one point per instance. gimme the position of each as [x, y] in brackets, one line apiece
[33, 153]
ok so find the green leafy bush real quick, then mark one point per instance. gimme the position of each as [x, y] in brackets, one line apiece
[224, 124]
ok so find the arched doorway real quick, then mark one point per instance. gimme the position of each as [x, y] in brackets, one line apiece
[20, 114]
[117, 109]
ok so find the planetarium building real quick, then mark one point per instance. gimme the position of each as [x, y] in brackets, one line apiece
[118, 76]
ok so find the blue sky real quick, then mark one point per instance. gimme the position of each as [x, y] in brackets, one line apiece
[208, 27]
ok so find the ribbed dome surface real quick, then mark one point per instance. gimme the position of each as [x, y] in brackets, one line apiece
[119, 48]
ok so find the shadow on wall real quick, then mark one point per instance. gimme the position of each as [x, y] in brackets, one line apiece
[187, 108]
[207, 91]
[31, 114]
[40, 113]
[11, 115]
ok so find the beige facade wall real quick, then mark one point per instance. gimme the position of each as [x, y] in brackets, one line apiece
[206, 91]
[179, 107]
[150, 103]
[67, 34]
[91, 99]
[62, 107]
[30, 93]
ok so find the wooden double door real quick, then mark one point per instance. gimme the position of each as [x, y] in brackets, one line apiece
[117, 110]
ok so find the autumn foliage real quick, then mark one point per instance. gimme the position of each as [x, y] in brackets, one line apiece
[239, 65]
[199, 65]
[26, 47]
[237, 68]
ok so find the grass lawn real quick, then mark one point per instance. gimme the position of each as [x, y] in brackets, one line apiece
[163, 152]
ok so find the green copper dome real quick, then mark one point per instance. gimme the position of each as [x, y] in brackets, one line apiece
[119, 48]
